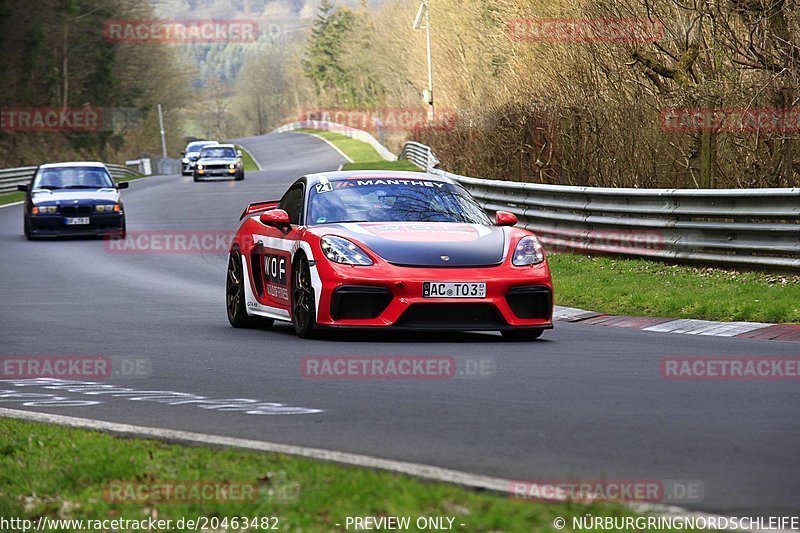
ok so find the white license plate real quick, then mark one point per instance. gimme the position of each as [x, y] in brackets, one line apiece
[77, 221]
[453, 289]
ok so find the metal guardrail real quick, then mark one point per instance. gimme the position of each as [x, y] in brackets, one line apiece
[419, 154]
[11, 177]
[749, 228]
[341, 129]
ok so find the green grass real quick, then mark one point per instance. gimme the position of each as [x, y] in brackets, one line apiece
[640, 287]
[364, 156]
[11, 197]
[247, 160]
[382, 165]
[59, 472]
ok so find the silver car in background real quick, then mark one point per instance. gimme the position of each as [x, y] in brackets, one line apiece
[190, 155]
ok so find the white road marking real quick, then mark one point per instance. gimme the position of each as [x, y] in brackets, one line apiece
[435, 473]
[12, 204]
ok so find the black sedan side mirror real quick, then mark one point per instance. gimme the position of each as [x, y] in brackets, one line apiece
[23, 188]
[123, 185]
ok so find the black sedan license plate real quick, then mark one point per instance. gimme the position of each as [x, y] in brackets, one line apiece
[77, 221]
[453, 289]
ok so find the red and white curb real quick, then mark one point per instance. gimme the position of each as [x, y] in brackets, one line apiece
[687, 326]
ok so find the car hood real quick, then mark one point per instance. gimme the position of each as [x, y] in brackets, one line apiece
[217, 161]
[429, 244]
[192, 155]
[74, 196]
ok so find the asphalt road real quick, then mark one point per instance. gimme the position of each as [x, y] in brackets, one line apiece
[582, 403]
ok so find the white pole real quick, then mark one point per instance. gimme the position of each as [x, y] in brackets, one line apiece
[161, 126]
[430, 62]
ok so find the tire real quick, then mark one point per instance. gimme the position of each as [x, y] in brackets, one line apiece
[27, 229]
[304, 310]
[235, 303]
[522, 334]
[240, 176]
[194, 177]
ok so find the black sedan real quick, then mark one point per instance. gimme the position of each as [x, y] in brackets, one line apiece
[73, 199]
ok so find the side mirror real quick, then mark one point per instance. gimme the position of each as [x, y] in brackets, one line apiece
[123, 185]
[183, 153]
[275, 217]
[504, 218]
[239, 153]
[23, 188]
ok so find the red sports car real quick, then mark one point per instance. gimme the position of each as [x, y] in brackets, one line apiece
[379, 249]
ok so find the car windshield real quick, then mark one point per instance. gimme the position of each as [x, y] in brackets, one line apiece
[392, 200]
[217, 152]
[196, 146]
[73, 178]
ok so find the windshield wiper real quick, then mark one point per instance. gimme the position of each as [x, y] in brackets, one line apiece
[47, 187]
[83, 187]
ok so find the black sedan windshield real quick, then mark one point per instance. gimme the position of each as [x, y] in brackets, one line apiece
[218, 153]
[73, 178]
[392, 200]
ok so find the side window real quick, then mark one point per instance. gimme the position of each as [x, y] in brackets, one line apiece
[292, 203]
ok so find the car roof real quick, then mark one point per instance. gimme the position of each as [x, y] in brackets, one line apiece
[201, 142]
[374, 174]
[68, 164]
[220, 145]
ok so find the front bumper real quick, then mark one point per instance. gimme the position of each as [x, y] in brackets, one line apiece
[56, 225]
[216, 172]
[391, 297]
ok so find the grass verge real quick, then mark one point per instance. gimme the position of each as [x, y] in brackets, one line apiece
[247, 160]
[58, 472]
[11, 197]
[364, 156]
[640, 287]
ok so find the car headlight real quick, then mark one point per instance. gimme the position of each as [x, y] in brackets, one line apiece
[45, 210]
[107, 208]
[231, 166]
[528, 252]
[342, 251]
[185, 161]
[199, 166]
